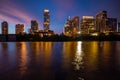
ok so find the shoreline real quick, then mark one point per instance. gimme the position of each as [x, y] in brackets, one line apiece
[57, 38]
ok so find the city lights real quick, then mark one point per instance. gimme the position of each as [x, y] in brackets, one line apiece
[73, 29]
[46, 10]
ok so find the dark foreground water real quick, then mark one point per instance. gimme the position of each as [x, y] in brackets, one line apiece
[60, 60]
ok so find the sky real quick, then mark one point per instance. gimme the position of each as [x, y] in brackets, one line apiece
[23, 11]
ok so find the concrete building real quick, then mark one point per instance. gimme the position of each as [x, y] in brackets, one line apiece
[67, 27]
[34, 26]
[101, 21]
[87, 24]
[71, 27]
[4, 27]
[119, 27]
[19, 29]
[46, 24]
[111, 25]
[75, 25]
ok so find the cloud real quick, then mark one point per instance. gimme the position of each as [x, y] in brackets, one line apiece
[4, 17]
[14, 14]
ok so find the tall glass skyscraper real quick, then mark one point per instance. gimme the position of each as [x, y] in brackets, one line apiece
[46, 19]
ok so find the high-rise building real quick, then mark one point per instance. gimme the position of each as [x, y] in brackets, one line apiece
[105, 24]
[72, 26]
[101, 21]
[34, 26]
[75, 24]
[111, 25]
[87, 24]
[46, 19]
[4, 27]
[68, 28]
[19, 28]
[119, 27]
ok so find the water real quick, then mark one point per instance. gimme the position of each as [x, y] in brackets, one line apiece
[60, 60]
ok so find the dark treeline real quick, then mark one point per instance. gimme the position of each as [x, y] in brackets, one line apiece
[62, 37]
[87, 37]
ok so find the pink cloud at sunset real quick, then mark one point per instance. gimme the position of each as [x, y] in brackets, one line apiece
[14, 14]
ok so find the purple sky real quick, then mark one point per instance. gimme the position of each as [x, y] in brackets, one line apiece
[23, 11]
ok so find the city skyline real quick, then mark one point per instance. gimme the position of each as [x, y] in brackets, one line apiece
[15, 12]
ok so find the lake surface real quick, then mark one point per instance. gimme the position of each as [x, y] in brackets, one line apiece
[90, 60]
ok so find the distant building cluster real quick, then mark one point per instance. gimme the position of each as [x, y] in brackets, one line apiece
[89, 25]
[73, 26]
[19, 28]
[34, 30]
[46, 26]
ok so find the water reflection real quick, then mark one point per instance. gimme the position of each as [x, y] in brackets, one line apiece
[23, 58]
[4, 56]
[4, 48]
[69, 49]
[40, 50]
[47, 48]
[91, 50]
[78, 56]
[35, 49]
[60, 60]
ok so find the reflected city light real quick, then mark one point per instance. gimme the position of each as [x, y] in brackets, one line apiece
[48, 47]
[79, 48]
[68, 51]
[76, 60]
[23, 59]
[92, 53]
[78, 57]
[48, 52]
[37, 49]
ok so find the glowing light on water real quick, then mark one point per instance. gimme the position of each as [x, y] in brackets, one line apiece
[78, 56]
[79, 48]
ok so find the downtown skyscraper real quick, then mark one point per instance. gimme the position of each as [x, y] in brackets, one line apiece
[105, 24]
[101, 21]
[46, 19]
[87, 24]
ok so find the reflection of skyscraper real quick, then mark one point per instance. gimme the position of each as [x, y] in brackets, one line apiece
[19, 28]
[34, 26]
[46, 19]
[4, 27]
